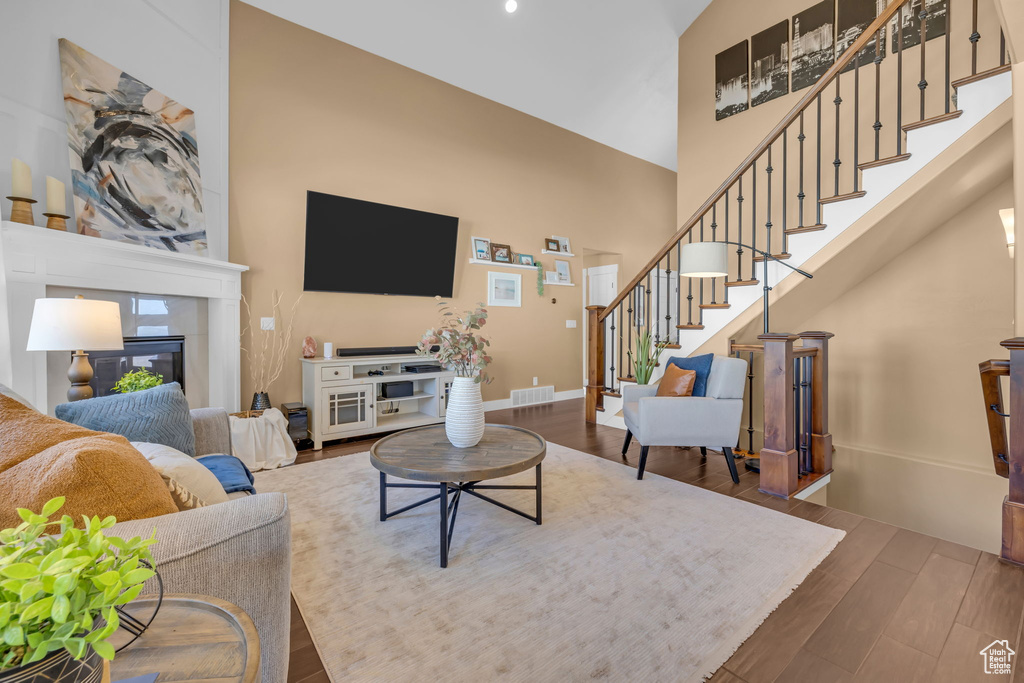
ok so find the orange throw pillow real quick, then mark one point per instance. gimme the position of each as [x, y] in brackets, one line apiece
[677, 382]
[101, 474]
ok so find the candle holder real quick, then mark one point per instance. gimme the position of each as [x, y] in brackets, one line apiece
[56, 221]
[21, 210]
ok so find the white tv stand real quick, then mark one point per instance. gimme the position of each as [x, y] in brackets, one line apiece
[344, 398]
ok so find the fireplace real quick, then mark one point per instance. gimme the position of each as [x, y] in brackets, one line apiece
[160, 355]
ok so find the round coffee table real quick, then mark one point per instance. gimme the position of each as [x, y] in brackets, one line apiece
[424, 454]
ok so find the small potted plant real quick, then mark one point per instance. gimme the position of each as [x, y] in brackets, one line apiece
[646, 357]
[456, 344]
[138, 380]
[59, 592]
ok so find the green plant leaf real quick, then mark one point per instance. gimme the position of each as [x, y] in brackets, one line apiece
[129, 595]
[137, 576]
[52, 506]
[76, 646]
[21, 570]
[37, 609]
[29, 590]
[14, 635]
[109, 578]
[64, 583]
[60, 610]
[103, 649]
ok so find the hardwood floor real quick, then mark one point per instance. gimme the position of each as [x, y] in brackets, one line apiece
[887, 605]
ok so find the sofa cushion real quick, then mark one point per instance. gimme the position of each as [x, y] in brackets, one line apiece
[179, 471]
[701, 365]
[676, 381]
[99, 474]
[157, 415]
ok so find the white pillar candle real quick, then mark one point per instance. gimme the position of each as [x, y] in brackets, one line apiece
[21, 179]
[55, 196]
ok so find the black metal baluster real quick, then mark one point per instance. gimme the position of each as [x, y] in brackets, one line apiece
[838, 101]
[622, 324]
[856, 120]
[785, 165]
[949, 32]
[714, 230]
[668, 296]
[726, 282]
[632, 327]
[689, 292]
[800, 195]
[922, 85]
[655, 322]
[679, 292]
[739, 229]
[878, 93]
[750, 404]
[700, 304]
[899, 84]
[611, 354]
[817, 203]
[753, 219]
[768, 211]
[975, 37]
[647, 305]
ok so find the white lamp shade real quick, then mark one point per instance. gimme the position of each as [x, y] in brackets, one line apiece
[1007, 217]
[73, 324]
[704, 259]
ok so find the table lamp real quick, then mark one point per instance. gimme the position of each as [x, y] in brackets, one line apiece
[74, 325]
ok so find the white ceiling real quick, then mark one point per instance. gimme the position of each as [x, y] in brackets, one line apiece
[605, 69]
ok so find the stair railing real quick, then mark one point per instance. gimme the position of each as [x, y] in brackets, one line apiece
[812, 155]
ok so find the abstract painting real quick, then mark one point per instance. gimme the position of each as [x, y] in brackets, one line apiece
[731, 76]
[813, 36]
[854, 17]
[769, 64]
[134, 157]
[907, 23]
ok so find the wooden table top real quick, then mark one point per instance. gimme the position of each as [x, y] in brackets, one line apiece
[425, 454]
[193, 638]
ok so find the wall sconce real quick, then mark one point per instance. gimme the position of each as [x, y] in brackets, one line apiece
[1007, 216]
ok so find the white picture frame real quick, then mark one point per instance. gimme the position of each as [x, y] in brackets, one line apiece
[504, 289]
[550, 277]
[481, 248]
[563, 244]
[563, 272]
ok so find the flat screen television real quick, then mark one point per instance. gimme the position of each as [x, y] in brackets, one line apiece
[368, 248]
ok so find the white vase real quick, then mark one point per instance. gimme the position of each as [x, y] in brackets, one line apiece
[464, 418]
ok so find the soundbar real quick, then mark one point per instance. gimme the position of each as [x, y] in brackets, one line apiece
[376, 351]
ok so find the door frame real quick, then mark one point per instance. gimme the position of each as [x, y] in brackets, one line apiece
[597, 270]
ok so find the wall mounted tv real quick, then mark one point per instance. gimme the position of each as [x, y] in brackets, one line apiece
[368, 248]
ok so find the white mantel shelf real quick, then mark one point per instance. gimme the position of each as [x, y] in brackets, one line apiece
[33, 257]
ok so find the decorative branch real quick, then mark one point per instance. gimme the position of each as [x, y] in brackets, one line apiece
[266, 357]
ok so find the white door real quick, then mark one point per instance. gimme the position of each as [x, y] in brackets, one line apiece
[602, 286]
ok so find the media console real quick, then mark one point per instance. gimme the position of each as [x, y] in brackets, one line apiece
[345, 395]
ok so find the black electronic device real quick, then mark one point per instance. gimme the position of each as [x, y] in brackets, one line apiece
[298, 420]
[421, 368]
[396, 389]
[348, 240]
[375, 351]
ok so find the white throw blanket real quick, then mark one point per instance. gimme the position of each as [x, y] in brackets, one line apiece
[262, 443]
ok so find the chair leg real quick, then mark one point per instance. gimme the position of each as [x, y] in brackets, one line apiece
[731, 461]
[643, 462]
[703, 453]
[625, 444]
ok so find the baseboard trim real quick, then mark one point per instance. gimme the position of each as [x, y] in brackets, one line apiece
[505, 403]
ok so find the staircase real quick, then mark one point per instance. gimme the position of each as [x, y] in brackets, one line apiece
[894, 105]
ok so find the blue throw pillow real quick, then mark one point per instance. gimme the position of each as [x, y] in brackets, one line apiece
[157, 415]
[699, 364]
[231, 472]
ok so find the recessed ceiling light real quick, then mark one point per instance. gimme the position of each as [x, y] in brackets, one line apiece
[511, 6]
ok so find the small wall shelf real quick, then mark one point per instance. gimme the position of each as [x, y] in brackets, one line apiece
[556, 253]
[500, 264]
[559, 284]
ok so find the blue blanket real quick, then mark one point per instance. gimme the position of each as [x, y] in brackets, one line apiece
[231, 472]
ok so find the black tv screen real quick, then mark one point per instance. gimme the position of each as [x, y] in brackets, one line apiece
[368, 248]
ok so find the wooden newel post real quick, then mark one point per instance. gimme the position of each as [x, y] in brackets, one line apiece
[779, 466]
[1013, 504]
[821, 439]
[595, 361]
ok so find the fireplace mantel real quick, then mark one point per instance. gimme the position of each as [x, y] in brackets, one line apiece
[33, 258]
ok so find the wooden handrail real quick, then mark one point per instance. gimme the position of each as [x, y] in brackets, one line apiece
[991, 371]
[826, 79]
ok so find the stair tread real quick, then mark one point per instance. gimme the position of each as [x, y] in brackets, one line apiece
[742, 283]
[805, 228]
[842, 197]
[690, 327]
[955, 114]
[782, 257]
[626, 379]
[884, 161]
[981, 75]
[714, 306]
[671, 346]
[613, 394]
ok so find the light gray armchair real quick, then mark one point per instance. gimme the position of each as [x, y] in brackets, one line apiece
[706, 421]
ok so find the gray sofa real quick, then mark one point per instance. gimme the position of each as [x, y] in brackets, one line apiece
[239, 551]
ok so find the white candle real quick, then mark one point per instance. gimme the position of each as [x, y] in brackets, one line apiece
[21, 179]
[55, 196]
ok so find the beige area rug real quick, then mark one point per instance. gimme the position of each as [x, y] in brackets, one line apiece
[626, 580]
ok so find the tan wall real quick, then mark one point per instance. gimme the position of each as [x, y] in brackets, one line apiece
[311, 113]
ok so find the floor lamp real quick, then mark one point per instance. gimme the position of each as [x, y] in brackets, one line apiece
[74, 325]
[711, 259]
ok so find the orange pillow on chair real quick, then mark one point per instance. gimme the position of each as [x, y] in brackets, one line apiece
[677, 382]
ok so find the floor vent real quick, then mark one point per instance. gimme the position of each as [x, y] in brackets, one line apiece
[532, 396]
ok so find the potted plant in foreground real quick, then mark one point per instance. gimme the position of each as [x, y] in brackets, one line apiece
[646, 357]
[59, 591]
[456, 344]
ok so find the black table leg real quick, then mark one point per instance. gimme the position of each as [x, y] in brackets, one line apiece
[443, 487]
[383, 497]
[538, 493]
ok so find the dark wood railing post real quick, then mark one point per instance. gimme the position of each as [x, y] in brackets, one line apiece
[595, 362]
[821, 439]
[779, 462]
[1013, 504]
